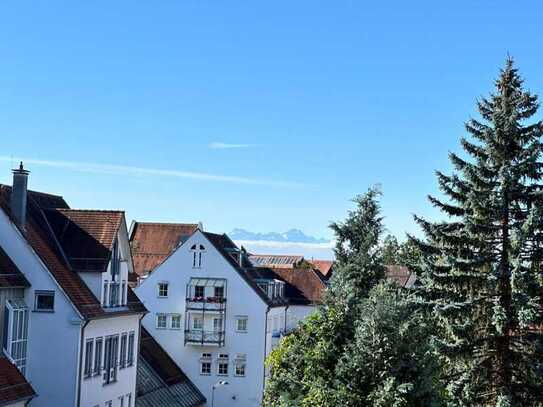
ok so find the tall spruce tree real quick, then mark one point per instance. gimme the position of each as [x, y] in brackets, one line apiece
[482, 268]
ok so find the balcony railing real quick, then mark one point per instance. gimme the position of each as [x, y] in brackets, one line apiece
[196, 337]
[206, 303]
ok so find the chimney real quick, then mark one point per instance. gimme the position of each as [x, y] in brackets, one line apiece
[18, 194]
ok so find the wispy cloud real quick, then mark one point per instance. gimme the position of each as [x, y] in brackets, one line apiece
[225, 146]
[96, 168]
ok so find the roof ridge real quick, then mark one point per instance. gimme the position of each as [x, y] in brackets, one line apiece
[88, 210]
[165, 223]
[35, 192]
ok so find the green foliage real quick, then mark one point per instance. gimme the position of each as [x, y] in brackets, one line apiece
[367, 345]
[481, 268]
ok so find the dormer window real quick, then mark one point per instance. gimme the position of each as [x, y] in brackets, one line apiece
[197, 251]
[115, 261]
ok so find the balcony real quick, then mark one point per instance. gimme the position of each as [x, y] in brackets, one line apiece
[217, 304]
[204, 338]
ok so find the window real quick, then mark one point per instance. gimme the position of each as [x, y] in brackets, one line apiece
[219, 292]
[197, 255]
[176, 321]
[114, 294]
[240, 369]
[161, 321]
[104, 293]
[121, 401]
[98, 356]
[16, 332]
[223, 368]
[130, 356]
[123, 292]
[205, 368]
[217, 324]
[199, 291]
[197, 324]
[163, 290]
[129, 400]
[239, 364]
[109, 403]
[241, 324]
[88, 358]
[44, 301]
[122, 358]
[110, 359]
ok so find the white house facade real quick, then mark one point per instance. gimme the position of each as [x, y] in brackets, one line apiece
[213, 312]
[73, 330]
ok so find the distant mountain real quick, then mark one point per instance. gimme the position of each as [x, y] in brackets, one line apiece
[291, 236]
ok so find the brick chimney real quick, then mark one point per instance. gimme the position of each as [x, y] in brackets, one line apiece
[19, 194]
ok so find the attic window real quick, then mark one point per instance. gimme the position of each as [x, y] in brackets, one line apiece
[44, 301]
[197, 250]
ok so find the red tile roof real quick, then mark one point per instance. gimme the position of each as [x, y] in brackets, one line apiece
[86, 236]
[325, 267]
[401, 275]
[152, 242]
[41, 238]
[13, 385]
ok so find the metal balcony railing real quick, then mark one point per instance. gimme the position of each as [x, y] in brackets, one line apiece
[206, 303]
[197, 337]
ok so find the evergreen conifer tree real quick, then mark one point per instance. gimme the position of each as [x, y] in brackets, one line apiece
[482, 267]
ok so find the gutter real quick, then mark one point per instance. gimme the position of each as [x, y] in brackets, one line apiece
[80, 367]
[265, 345]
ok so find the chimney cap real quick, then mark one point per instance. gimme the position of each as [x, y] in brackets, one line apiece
[20, 170]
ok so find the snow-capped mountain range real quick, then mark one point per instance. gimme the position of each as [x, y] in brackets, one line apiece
[290, 236]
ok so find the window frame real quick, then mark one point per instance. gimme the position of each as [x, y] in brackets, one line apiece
[158, 318]
[45, 293]
[89, 359]
[239, 319]
[130, 349]
[160, 292]
[97, 359]
[123, 350]
[172, 318]
[194, 328]
[207, 364]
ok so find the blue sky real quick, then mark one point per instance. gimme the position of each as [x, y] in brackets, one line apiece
[131, 104]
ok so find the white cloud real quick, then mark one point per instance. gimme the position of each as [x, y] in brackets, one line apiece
[224, 146]
[96, 168]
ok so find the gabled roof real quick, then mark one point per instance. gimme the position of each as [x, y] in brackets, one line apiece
[401, 275]
[303, 286]
[151, 243]
[160, 381]
[86, 236]
[325, 267]
[13, 385]
[275, 260]
[40, 236]
[10, 275]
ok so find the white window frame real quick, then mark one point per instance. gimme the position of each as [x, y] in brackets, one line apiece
[130, 347]
[194, 328]
[124, 350]
[242, 318]
[174, 317]
[158, 318]
[16, 338]
[218, 327]
[97, 358]
[160, 292]
[220, 364]
[206, 363]
[89, 358]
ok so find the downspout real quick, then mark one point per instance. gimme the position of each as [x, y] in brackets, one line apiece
[285, 321]
[265, 346]
[80, 367]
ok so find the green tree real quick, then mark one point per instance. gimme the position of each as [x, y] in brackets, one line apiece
[481, 268]
[391, 251]
[316, 365]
